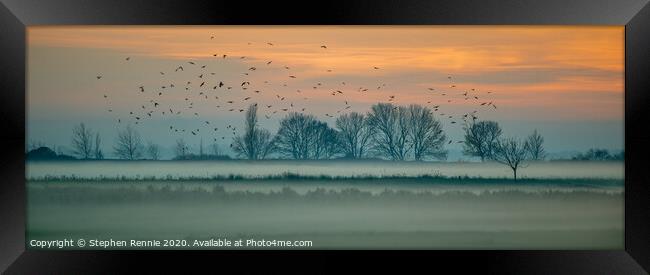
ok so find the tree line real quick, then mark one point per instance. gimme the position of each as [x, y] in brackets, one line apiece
[386, 131]
[391, 132]
[129, 145]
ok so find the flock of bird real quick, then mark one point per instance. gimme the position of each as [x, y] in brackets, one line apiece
[201, 85]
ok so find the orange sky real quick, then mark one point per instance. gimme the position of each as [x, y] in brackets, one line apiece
[533, 73]
[576, 59]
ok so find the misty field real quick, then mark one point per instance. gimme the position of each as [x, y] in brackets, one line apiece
[261, 168]
[348, 205]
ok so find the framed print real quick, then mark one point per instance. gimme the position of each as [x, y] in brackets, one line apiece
[512, 137]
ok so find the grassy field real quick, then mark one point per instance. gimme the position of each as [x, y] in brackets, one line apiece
[342, 168]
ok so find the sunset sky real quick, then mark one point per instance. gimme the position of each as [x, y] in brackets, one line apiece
[565, 81]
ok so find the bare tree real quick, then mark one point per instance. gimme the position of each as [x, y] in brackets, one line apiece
[256, 143]
[355, 134]
[201, 148]
[426, 134]
[292, 138]
[481, 139]
[82, 141]
[129, 144]
[181, 150]
[304, 137]
[511, 152]
[535, 146]
[153, 150]
[391, 125]
[265, 143]
[325, 143]
[98, 148]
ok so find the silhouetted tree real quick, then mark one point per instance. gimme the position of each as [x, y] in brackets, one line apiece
[82, 141]
[181, 150]
[391, 130]
[129, 144]
[302, 136]
[535, 146]
[264, 143]
[355, 134]
[426, 135]
[255, 143]
[98, 148]
[325, 143]
[153, 150]
[511, 152]
[292, 138]
[481, 139]
[201, 148]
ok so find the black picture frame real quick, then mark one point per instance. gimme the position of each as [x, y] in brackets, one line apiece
[15, 15]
